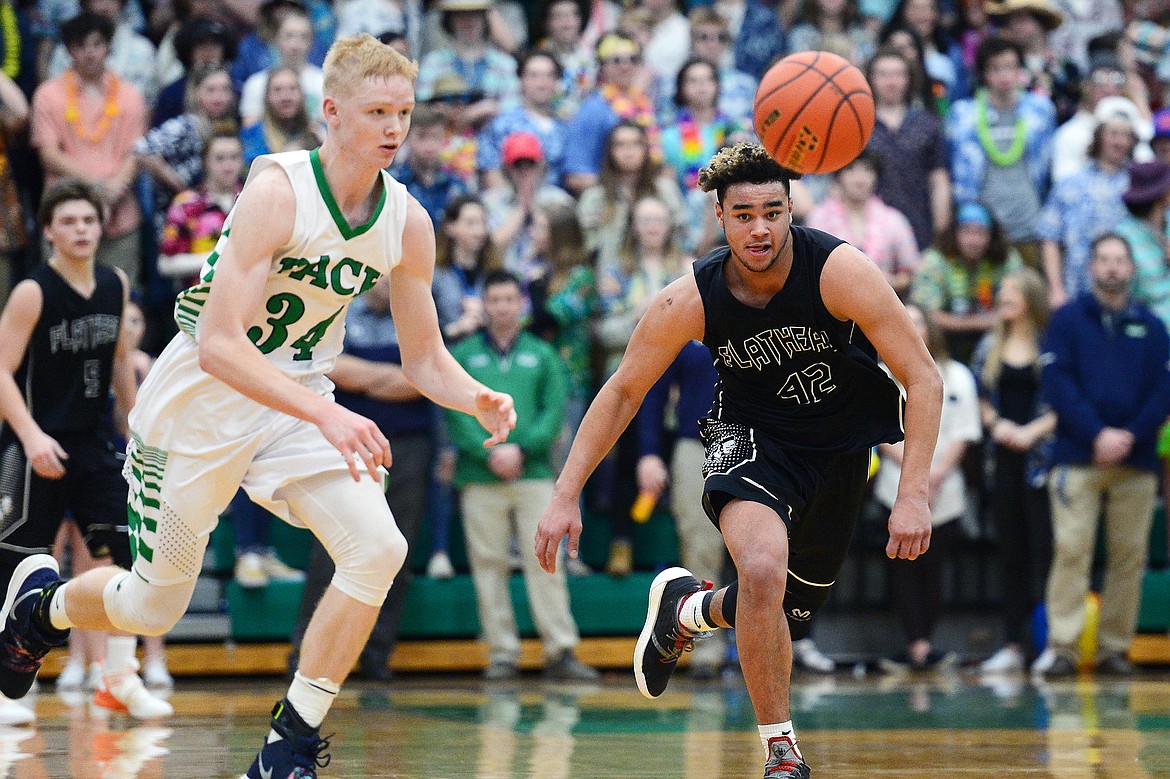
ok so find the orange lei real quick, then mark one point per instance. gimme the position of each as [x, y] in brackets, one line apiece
[73, 109]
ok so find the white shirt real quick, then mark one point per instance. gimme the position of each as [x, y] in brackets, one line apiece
[669, 46]
[1070, 144]
[252, 96]
[959, 422]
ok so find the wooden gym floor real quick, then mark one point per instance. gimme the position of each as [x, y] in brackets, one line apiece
[941, 724]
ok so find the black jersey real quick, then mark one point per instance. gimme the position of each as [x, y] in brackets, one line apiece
[791, 369]
[65, 374]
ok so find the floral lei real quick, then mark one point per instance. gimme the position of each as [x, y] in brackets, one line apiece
[633, 104]
[110, 111]
[691, 135]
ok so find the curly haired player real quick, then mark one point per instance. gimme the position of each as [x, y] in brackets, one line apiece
[788, 314]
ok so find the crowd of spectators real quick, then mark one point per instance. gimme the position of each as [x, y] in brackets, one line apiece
[560, 141]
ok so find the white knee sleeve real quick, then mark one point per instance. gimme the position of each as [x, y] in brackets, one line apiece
[355, 526]
[146, 609]
[366, 572]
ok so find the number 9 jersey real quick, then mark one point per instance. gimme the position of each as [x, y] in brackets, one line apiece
[312, 280]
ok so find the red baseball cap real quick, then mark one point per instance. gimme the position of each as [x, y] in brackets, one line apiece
[522, 146]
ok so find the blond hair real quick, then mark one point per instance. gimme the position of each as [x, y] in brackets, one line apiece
[352, 60]
[1035, 291]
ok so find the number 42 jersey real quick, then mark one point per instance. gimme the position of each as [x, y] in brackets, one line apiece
[311, 281]
[791, 370]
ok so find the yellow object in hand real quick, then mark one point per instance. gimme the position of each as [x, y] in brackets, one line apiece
[644, 506]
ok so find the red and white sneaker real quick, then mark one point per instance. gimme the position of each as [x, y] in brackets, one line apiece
[123, 691]
[785, 760]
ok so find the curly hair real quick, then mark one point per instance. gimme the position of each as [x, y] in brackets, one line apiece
[744, 163]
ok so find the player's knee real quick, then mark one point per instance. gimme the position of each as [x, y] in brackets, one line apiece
[802, 600]
[761, 572]
[137, 606]
[366, 571]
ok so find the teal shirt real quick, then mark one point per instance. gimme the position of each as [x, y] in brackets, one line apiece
[1152, 285]
[538, 381]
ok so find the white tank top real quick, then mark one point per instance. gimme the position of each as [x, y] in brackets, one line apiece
[311, 281]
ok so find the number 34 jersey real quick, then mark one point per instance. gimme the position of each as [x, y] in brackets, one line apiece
[791, 370]
[327, 263]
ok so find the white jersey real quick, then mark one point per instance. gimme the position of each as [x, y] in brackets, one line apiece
[326, 264]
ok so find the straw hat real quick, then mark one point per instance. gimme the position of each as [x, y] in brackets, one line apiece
[1049, 17]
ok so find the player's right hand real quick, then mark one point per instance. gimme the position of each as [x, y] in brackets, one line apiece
[46, 456]
[909, 528]
[561, 517]
[357, 438]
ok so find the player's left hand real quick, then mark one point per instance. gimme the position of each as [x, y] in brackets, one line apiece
[495, 412]
[909, 528]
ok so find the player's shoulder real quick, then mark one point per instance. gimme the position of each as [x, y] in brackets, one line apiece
[417, 217]
[269, 191]
[679, 304]
[26, 299]
[269, 177]
[104, 272]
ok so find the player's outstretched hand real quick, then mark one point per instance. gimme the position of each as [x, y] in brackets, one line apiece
[495, 412]
[46, 456]
[561, 517]
[357, 438]
[909, 529]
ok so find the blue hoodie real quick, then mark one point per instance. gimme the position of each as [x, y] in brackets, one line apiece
[1106, 369]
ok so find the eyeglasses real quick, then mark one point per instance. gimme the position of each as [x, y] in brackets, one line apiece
[722, 37]
[629, 59]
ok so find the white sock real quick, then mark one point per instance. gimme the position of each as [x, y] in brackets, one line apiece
[120, 654]
[783, 729]
[310, 698]
[690, 612]
[57, 616]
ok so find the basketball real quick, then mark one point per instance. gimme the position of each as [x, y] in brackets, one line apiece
[814, 112]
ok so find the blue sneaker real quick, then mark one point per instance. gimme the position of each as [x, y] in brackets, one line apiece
[28, 635]
[297, 755]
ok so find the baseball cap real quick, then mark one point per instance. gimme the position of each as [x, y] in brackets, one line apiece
[522, 146]
[1117, 107]
[973, 214]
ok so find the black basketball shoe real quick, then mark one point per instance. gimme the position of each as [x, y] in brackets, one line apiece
[663, 639]
[784, 761]
[28, 635]
[298, 753]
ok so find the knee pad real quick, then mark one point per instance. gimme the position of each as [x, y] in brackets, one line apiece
[365, 570]
[802, 600]
[137, 606]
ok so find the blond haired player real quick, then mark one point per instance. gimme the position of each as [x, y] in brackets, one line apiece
[240, 397]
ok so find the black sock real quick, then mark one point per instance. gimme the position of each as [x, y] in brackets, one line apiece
[729, 600]
[40, 616]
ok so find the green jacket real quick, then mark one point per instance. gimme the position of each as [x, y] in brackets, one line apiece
[537, 379]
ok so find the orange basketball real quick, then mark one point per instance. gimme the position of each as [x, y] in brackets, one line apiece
[814, 112]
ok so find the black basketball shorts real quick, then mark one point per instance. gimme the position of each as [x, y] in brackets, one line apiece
[819, 496]
[92, 491]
